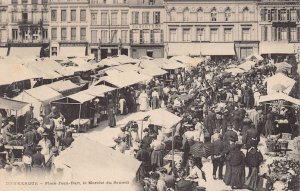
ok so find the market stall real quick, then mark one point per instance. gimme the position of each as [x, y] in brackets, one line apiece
[75, 107]
[40, 98]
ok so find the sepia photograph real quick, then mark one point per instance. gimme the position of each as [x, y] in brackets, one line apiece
[150, 95]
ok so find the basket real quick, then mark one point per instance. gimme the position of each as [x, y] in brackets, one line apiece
[286, 136]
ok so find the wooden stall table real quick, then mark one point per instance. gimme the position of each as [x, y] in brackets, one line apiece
[82, 125]
[17, 152]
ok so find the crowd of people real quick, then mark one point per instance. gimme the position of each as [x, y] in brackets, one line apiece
[219, 111]
[226, 116]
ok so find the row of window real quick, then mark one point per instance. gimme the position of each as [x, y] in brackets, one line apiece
[280, 14]
[73, 15]
[113, 19]
[136, 36]
[227, 15]
[106, 1]
[63, 32]
[106, 20]
[29, 34]
[280, 33]
[25, 17]
[213, 35]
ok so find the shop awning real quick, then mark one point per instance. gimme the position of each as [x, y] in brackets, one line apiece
[64, 87]
[99, 90]
[206, 49]
[279, 96]
[276, 48]
[72, 51]
[25, 51]
[6, 103]
[3, 51]
[10, 73]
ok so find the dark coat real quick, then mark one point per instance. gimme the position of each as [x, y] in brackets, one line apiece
[253, 158]
[218, 148]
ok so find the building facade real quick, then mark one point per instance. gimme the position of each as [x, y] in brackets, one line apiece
[147, 28]
[279, 27]
[3, 23]
[211, 28]
[109, 28]
[27, 25]
[69, 27]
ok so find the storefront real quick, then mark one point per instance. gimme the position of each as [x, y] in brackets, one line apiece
[104, 51]
[69, 49]
[153, 51]
[279, 51]
[246, 48]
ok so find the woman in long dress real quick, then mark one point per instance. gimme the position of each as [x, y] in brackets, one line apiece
[237, 163]
[143, 101]
[111, 114]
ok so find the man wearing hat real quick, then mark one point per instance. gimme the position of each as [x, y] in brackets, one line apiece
[29, 115]
[6, 132]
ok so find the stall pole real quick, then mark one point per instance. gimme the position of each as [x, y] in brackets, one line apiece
[16, 121]
[79, 118]
[173, 162]
[142, 129]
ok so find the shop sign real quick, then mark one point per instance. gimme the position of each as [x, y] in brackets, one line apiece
[284, 24]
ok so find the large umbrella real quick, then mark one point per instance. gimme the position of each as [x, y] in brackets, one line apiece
[201, 149]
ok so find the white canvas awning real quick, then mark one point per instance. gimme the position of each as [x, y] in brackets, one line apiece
[159, 116]
[276, 48]
[124, 79]
[10, 73]
[25, 51]
[64, 87]
[206, 49]
[81, 97]
[153, 71]
[279, 96]
[78, 51]
[99, 90]
[279, 79]
[97, 159]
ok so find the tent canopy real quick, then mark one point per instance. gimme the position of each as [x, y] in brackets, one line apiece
[43, 93]
[163, 118]
[153, 71]
[64, 87]
[45, 72]
[6, 103]
[81, 97]
[124, 79]
[99, 90]
[10, 73]
[97, 159]
[279, 96]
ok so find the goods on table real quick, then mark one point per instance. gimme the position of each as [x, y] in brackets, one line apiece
[285, 170]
